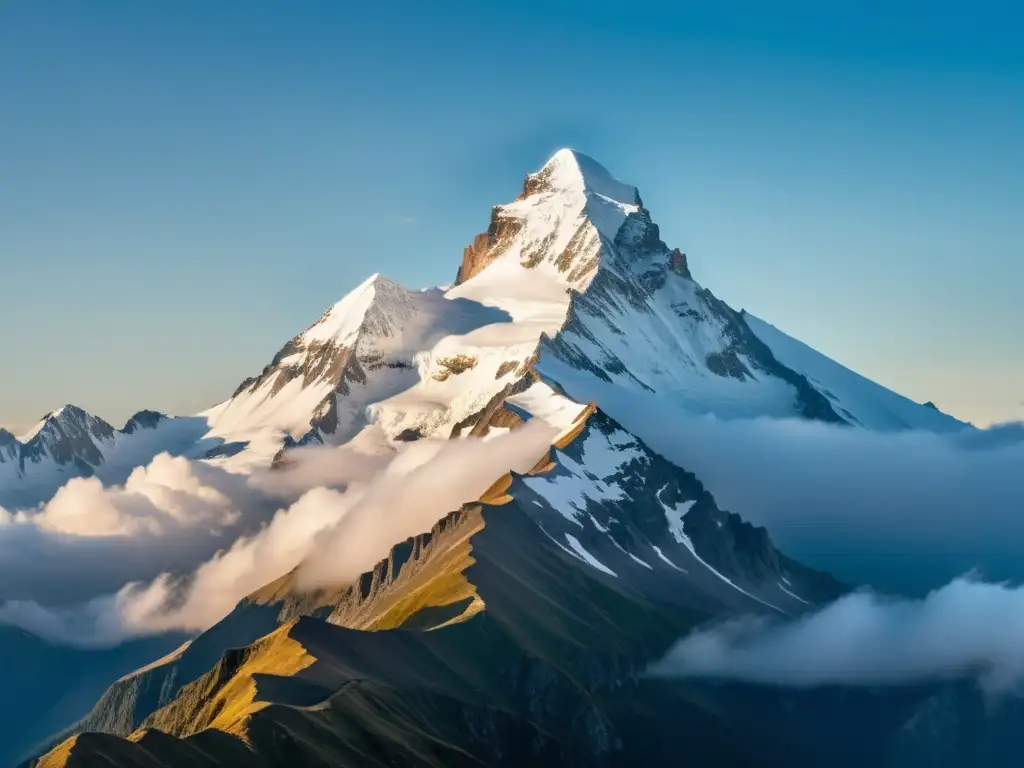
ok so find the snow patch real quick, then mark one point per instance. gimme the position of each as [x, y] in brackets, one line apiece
[645, 565]
[589, 558]
[792, 594]
[661, 554]
[674, 516]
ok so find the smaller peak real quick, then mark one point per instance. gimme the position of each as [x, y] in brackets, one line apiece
[68, 419]
[344, 319]
[145, 419]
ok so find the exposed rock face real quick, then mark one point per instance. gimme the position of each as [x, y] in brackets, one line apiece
[453, 366]
[488, 246]
[678, 264]
[419, 584]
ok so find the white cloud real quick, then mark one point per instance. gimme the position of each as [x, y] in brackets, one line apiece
[965, 629]
[429, 480]
[169, 493]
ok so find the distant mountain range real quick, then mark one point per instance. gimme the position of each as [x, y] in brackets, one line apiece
[516, 631]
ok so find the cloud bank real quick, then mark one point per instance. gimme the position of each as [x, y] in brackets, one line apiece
[906, 511]
[963, 630]
[348, 506]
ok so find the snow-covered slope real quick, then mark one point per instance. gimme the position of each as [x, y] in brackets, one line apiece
[571, 280]
[363, 350]
[858, 399]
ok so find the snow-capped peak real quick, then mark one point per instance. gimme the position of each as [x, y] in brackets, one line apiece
[343, 322]
[570, 283]
[65, 417]
[569, 171]
[567, 212]
[579, 183]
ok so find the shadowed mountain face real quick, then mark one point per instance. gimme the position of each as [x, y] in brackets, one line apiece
[51, 685]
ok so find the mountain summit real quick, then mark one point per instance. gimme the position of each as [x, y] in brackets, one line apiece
[565, 209]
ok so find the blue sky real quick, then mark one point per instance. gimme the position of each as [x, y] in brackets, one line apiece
[184, 186]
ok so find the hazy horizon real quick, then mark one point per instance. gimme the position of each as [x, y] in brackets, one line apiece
[190, 186]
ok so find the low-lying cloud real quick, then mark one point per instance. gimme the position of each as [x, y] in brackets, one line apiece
[906, 511]
[345, 508]
[420, 487]
[967, 629]
[171, 493]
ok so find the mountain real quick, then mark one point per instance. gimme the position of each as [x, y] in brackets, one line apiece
[571, 279]
[362, 351]
[517, 631]
[70, 442]
[46, 686]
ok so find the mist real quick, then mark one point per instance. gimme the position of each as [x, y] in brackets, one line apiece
[966, 629]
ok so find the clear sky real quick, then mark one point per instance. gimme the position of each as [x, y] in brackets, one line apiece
[186, 185]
